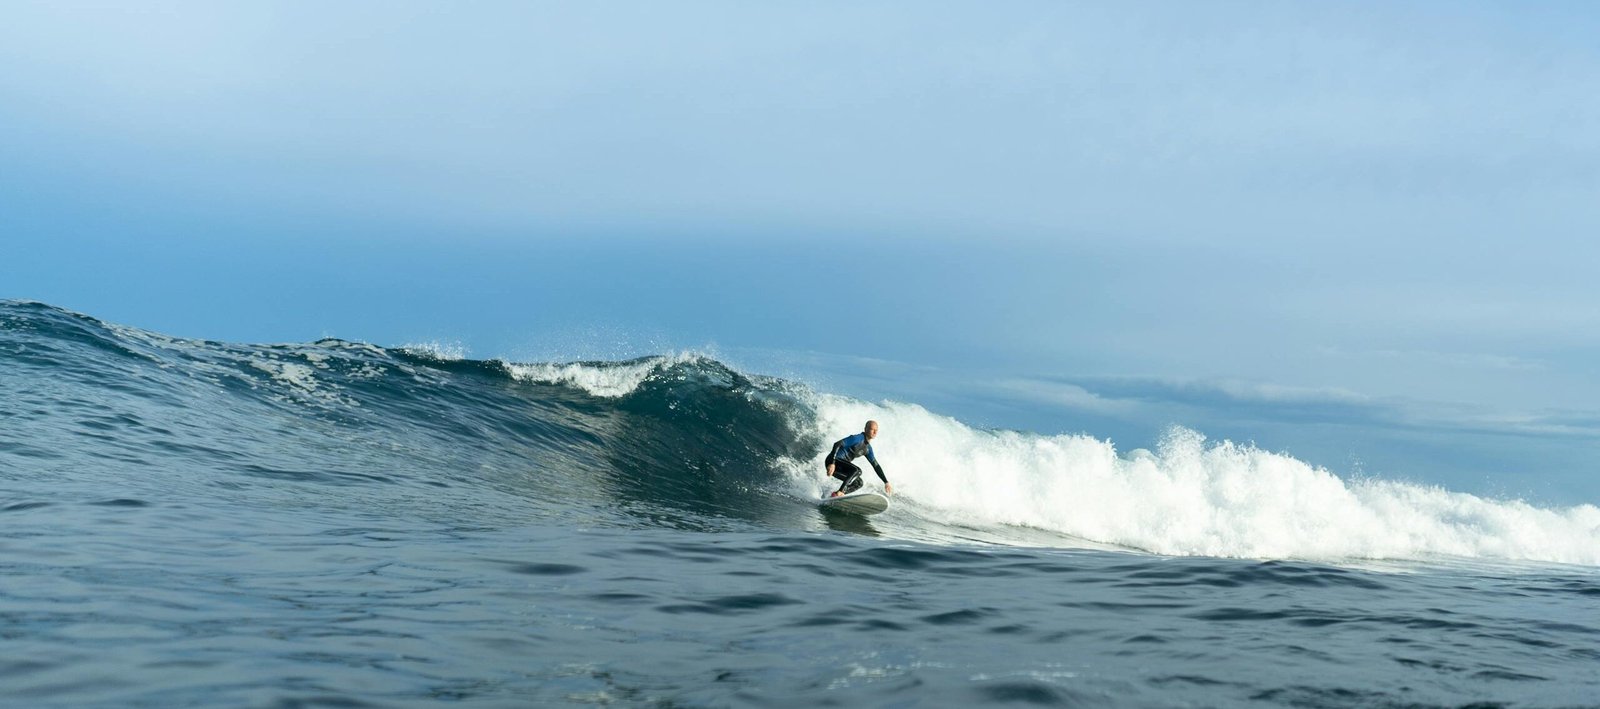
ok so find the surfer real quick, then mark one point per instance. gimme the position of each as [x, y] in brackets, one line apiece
[849, 448]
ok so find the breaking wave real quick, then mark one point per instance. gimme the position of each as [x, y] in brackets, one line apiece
[687, 440]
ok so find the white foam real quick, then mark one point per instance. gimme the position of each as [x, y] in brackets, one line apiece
[603, 379]
[442, 351]
[297, 376]
[300, 382]
[1190, 496]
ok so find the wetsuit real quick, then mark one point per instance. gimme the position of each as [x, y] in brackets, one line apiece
[846, 450]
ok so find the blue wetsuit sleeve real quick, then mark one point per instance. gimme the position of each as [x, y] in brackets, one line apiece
[875, 467]
[834, 454]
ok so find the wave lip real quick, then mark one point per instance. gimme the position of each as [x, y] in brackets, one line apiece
[608, 380]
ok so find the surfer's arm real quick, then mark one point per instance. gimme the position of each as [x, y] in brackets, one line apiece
[875, 467]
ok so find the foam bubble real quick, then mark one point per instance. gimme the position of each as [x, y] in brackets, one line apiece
[300, 382]
[441, 351]
[297, 376]
[604, 379]
[1191, 496]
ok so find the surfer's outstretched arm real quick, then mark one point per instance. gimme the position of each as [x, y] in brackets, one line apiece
[873, 459]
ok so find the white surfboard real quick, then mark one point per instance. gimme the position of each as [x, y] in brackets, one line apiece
[861, 502]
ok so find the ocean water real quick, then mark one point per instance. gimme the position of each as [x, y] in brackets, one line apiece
[191, 523]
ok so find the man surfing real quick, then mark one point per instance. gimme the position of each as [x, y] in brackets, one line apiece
[849, 448]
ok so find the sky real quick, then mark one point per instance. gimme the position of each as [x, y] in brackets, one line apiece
[1359, 232]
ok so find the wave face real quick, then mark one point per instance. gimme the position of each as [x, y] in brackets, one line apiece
[674, 441]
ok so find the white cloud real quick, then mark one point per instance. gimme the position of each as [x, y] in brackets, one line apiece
[1469, 360]
[1060, 394]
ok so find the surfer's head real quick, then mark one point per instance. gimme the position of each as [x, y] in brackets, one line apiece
[871, 430]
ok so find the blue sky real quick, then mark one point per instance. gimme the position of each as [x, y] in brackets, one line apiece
[1364, 232]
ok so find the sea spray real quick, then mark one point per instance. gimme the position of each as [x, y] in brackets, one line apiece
[1190, 496]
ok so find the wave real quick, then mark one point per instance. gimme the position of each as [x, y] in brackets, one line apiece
[684, 439]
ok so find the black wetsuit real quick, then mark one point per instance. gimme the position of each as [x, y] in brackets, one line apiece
[846, 450]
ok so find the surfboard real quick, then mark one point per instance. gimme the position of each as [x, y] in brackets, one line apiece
[863, 502]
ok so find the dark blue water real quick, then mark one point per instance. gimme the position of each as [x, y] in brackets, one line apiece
[190, 523]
